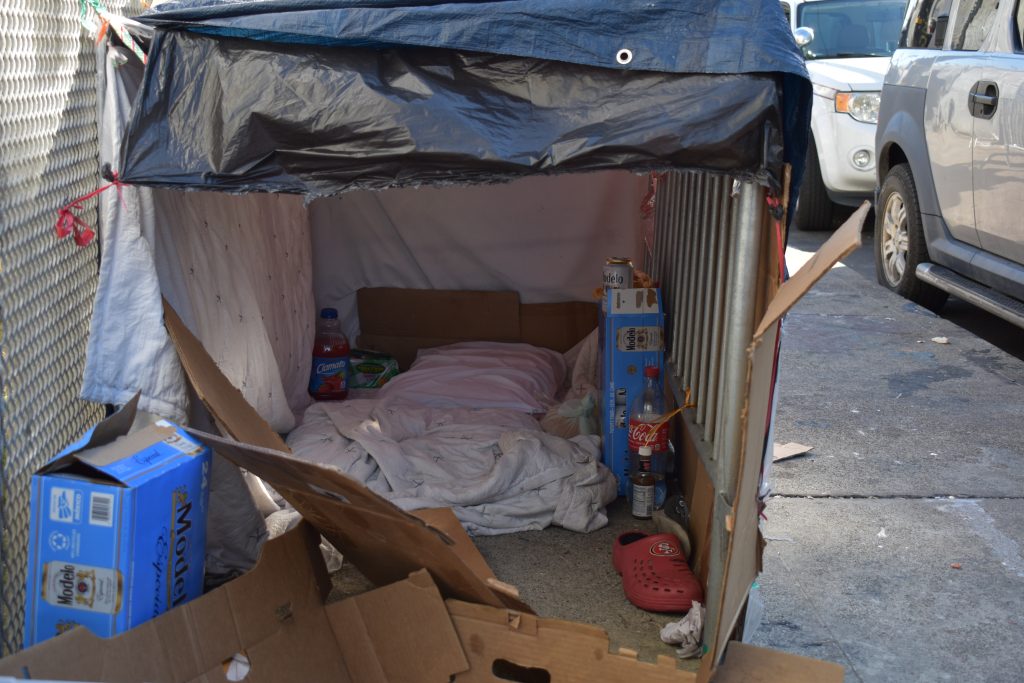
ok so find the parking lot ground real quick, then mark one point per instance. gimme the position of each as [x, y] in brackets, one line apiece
[896, 545]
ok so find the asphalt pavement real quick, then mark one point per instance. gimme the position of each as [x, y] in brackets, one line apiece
[895, 546]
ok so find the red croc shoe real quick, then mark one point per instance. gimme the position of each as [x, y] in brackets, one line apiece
[655, 575]
[623, 544]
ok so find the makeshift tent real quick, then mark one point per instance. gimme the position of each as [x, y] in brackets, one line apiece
[331, 99]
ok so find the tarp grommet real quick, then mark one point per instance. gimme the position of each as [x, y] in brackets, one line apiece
[624, 56]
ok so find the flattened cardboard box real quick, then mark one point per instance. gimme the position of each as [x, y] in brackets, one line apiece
[275, 616]
[276, 619]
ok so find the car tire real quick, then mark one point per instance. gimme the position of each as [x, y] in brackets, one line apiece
[899, 240]
[814, 210]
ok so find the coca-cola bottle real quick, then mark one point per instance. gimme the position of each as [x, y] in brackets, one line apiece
[646, 429]
[328, 378]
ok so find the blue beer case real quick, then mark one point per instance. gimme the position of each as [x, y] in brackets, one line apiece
[117, 529]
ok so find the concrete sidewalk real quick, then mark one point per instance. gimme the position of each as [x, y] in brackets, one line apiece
[896, 545]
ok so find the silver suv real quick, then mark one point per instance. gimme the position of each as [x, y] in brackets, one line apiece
[950, 149]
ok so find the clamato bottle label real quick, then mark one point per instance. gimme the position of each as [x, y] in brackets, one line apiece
[328, 376]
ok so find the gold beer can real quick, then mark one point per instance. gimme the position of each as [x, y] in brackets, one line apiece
[80, 586]
[618, 272]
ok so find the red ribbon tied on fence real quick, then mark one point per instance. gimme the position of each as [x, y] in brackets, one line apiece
[69, 223]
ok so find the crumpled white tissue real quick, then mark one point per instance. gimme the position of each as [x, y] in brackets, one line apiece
[686, 632]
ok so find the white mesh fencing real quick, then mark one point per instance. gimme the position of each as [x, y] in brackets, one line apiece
[48, 156]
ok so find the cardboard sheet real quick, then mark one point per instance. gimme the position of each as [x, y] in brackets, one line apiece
[402, 321]
[743, 553]
[750, 664]
[385, 543]
[558, 326]
[234, 415]
[450, 314]
[505, 645]
[276, 617]
[789, 450]
[840, 245]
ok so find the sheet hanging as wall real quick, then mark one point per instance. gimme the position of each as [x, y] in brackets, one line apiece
[545, 238]
[128, 350]
[238, 270]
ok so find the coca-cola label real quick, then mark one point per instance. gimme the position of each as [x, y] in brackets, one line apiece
[648, 434]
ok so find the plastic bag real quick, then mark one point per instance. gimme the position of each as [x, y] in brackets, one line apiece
[572, 418]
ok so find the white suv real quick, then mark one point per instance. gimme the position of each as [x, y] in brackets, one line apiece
[847, 45]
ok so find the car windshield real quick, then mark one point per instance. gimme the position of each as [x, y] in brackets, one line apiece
[851, 28]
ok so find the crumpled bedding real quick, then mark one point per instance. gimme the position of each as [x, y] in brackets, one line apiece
[497, 469]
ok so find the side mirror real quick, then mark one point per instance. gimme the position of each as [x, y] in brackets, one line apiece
[803, 36]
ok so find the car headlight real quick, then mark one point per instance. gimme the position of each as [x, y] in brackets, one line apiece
[863, 106]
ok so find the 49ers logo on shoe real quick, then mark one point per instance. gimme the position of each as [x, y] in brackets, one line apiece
[664, 549]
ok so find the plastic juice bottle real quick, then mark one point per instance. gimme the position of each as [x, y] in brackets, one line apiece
[328, 378]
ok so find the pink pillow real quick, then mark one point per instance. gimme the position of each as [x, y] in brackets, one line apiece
[482, 375]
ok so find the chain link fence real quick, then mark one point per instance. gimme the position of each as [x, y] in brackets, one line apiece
[48, 156]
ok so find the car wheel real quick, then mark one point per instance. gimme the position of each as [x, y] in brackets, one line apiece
[899, 240]
[814, 210]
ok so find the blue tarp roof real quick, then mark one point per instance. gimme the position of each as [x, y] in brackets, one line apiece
[320, 96]
[679, 36]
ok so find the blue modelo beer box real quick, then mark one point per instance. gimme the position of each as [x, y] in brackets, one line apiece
[117, 533]
[630, 337]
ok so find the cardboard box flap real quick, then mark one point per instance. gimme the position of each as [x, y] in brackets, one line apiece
[445, 521]
[232, 413]
[384, 542]
[118, 424]
[507, 645]
[146, 460]
[376, 641]
[838, 247]
[274, 617]
[750, 664]
[107, 431]
[285, 591]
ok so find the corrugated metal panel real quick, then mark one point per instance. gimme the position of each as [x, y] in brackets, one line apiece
[48, 156]
[707, 242]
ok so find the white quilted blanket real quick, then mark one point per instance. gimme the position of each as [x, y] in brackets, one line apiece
[496, 468]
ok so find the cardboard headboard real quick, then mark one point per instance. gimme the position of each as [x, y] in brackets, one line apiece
[402, 321]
